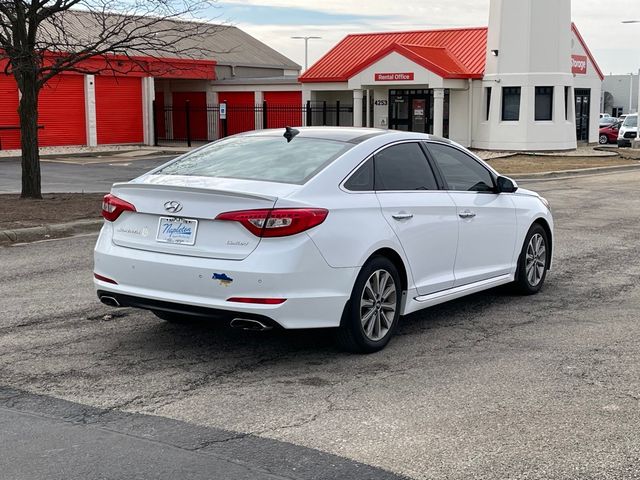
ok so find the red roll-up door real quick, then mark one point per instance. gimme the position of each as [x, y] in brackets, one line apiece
[61, 111]
[241, 113]
[283, 109]
[197, 115]
[9, 112]
[119, 109]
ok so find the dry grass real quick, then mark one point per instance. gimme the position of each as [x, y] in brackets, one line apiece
[54, 208]
[542, 163]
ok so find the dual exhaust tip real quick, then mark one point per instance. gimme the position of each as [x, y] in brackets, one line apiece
[248, 324]
[107, 300]
[240, 323]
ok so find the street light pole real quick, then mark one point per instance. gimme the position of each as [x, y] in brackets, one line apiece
[636, 142]
[306, 48]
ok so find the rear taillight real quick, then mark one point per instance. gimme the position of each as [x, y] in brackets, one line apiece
[277, 222]
[112, 207]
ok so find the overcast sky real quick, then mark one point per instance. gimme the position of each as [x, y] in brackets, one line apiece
[616, 46]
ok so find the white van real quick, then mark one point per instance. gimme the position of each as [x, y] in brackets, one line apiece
[628, 130]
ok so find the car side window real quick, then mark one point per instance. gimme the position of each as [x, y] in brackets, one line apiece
[362, 179]
[460, 171]
[403, 167]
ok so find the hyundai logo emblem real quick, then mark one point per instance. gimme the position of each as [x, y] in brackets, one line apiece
[172, 206]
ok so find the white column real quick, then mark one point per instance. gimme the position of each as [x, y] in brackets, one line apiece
[90, 110]
[258, 98]
[148, 95]
[212, 120]
[438, 111]
[357, 108]
[368, 99]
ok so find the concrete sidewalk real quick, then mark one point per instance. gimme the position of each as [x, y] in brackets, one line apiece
[100, 151]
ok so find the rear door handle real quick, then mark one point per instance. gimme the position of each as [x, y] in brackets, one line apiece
[466, 214]
[402, 216]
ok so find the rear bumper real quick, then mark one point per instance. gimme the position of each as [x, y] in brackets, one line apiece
[193, 311]
[290, 268]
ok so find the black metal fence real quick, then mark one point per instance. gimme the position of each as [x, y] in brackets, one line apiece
[192, 123]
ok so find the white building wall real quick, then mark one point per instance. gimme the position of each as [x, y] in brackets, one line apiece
[458, 116]
[529, 46]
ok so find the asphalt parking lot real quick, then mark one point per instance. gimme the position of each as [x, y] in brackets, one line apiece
[492, 386]
[80, 174]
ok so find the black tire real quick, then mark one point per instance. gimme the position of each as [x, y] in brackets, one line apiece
[603, 140]
[523, 283]
[175, 318]
[351, 335]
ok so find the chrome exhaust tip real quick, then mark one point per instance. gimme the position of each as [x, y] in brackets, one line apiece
[112, 302]
[247, 324]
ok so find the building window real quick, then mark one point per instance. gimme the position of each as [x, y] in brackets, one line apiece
[544, 104]
[567, 92]
[510, 104]
[487, 106]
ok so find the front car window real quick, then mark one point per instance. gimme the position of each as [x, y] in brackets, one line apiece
[258, 157]
[460, 171]
[403, 167]
[631, 122]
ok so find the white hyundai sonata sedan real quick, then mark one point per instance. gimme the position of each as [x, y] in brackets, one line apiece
[317, 228]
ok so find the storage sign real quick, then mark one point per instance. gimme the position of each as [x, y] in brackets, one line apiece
[394, 77]
[579, 64]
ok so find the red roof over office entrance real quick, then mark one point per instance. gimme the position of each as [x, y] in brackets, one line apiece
[457, 51]
[451, 53]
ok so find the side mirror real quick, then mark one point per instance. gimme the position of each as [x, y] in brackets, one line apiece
[506, 185]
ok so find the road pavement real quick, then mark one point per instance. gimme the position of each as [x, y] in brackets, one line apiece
[80, 174]
[491, 386]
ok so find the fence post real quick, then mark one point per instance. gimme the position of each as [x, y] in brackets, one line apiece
[309, 116]
[154, 116]
[324, 113]
[337, 113]
[264, 115]
[187, 111]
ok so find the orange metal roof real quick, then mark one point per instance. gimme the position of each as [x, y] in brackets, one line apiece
[451, 53]
[462, 53]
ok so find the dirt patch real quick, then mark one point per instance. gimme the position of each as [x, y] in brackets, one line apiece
[16, 212]
[542, 163]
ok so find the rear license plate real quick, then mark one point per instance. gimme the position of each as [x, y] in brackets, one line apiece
[180, 231]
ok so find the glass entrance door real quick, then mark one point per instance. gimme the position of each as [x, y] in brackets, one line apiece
[583, 104]
[411, 110]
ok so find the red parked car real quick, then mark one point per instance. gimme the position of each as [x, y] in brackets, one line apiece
[609, 133]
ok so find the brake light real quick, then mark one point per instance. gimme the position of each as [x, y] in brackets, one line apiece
[112, 207]
[277, 222]
[259, 301]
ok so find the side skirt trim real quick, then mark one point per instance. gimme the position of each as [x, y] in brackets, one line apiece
[424, 301]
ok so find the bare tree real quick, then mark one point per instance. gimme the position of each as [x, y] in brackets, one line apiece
[41, 38]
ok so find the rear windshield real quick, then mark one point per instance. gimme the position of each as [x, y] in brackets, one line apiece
[631, 122]
[269, 159]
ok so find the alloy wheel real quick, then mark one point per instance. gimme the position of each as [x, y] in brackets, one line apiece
[536, 259]
[378, 305]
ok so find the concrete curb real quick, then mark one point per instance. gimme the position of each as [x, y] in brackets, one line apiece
[568, 173]
[161, 151]
[57, 230]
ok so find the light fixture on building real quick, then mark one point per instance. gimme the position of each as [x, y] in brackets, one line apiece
[494, 53]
